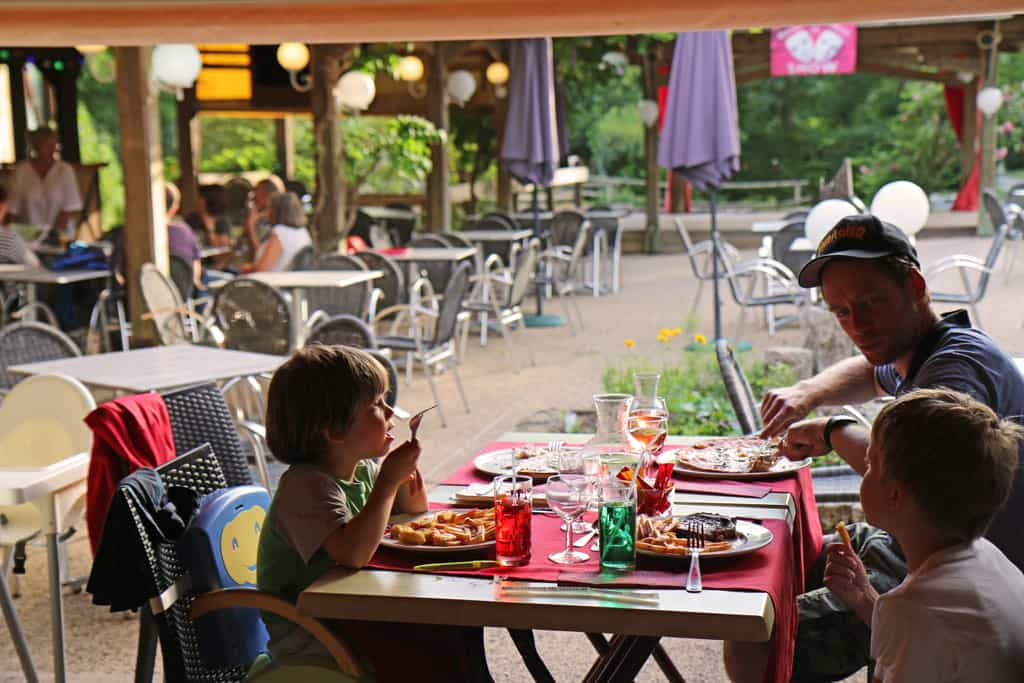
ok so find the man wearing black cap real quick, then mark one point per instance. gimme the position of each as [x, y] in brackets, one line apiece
[870, 279]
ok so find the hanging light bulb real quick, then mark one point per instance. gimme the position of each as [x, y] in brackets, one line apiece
[461, 86]
[293, 58]
[176, 66]
[90, 49]
[355, 91]
[497, 73]
[989, 100]
[410, 68]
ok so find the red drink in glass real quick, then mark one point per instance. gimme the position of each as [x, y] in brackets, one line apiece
[513, 516]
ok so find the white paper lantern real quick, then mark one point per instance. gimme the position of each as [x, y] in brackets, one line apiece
[648, 112]
[990, 100]
[497, 73]
[355, 91]
[824, 216]
[410, 68]
[461, 86]
[616, 60]
[292, 56]
[902, 203]
[176, 66]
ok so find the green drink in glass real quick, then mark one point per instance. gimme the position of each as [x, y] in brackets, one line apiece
[617, 525]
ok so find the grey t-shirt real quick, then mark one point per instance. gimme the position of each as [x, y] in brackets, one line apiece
[963, 358]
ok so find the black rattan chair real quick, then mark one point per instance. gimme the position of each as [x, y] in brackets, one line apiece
[303, 260]
[31, 342]
[354, 300]
[182, 276]
[199, 414]
[438, 272]
[738, 389]
[347, 330]
[565, 225]
[253, 317]
[391, 283]
[454, 239]
[392, 395]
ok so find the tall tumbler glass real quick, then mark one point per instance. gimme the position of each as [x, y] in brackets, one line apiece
[513, 516]
[617, 525]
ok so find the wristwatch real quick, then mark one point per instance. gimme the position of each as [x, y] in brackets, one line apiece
[833, 422]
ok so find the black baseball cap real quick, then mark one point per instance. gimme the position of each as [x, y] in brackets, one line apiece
[861, 236]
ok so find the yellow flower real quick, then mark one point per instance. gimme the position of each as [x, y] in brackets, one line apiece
[700, 339]
[630, 343]
[663, 338]
[664, 332]
[676, 331]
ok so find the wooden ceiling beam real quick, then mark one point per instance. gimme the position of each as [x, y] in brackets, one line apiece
[135, 22]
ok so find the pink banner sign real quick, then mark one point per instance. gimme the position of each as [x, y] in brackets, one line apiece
[814, 50]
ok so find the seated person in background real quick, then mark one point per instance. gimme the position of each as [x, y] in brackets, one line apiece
[180, 240]
[13, 248]
[208, 222]
[257, 224]
[287, 237]
[44, 191]
[328, 420]
[939, 466]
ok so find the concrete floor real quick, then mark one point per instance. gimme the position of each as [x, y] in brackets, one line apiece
[656, 293]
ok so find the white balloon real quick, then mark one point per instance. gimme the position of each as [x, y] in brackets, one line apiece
[355, 91]
[461, 86]
[648, 112]
[990, 100]
[824, 216]
[902, 203]
[176, 65]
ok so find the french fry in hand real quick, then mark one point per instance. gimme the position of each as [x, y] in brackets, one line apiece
[844, 534]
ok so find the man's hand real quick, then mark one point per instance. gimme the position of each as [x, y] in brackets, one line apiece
[400, 464]
[846, 577]
[805, 440]
[782, 407]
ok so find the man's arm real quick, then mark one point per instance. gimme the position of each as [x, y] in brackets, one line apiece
[848, 381]
[807, 439]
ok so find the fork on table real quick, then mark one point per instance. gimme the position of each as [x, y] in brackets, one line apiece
[695, 541]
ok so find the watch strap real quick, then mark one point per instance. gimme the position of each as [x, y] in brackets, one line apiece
[832, 423]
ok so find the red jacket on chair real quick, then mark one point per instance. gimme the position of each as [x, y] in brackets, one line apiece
[128, 433]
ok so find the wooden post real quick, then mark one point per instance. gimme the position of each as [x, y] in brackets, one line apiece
[988, 126]
[19, 118]
[968, 145]
[438, 206]
[188, 151]
[284, 137]
[652, 228]
[329, 212]
[145, 219]
[504, 179]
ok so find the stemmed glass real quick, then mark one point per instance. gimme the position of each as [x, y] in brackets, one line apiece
[653, 479]
[569, 496]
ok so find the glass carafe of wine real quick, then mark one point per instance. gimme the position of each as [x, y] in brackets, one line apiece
[646, 401]
[612, 444]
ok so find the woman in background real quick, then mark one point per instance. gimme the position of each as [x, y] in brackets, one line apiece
[288, 236]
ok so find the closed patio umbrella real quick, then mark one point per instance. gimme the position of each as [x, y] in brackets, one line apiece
[700, 139]
[531, 147]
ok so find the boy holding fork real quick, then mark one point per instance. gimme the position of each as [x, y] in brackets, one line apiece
[939, 466]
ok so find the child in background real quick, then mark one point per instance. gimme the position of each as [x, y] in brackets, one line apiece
[328, 420]
[940, 465]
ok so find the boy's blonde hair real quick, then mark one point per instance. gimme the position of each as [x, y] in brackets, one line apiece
[953, 453]
[319, 388]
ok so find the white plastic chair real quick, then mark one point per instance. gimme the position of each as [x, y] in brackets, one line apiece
[41, 423]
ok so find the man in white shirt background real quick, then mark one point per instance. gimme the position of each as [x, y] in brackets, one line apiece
[44, 190]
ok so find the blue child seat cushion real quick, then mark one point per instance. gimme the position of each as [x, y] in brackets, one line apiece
[219, 551]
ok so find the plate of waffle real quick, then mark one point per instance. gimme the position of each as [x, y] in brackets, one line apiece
[446, 531]
[722, 536]
[530, 461]
[736, 458]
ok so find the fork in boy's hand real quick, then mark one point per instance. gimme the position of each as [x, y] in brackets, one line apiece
[695, 541]
[414, 422]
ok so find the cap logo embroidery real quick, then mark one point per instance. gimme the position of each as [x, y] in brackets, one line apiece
[856, 232]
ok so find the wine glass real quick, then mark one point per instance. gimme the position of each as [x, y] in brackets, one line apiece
[650, 430]
[569, 496]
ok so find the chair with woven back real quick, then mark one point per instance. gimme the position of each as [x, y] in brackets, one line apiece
[303, 259]
[563, 270]
[347, 330]
[503, 248]
[391, 283]
[454, 239]
[497, 220]
[253, 317]
[610, 232]
[965, 264]
[438, 272]
[174, 319]
[738, 389]
[182, 276]
[31, 342]
[171, 612]
[440, 347]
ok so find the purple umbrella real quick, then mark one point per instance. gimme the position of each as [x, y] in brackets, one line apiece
[700, 139]
[531, 147]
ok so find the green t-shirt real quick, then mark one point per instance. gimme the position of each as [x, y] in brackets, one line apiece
[309, 505]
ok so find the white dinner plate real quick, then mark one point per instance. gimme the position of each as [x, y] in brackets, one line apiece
[793, 466]
[749, 537]
[389, 542]
[503, 461]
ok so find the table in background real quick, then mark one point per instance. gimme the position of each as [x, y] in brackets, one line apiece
[411, 256]
[42, 486]
[30, 277]
[155, 369]
[298, 281]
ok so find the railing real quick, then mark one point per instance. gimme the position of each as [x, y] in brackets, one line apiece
[609, 189]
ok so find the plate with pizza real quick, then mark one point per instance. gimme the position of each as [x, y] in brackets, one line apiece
[530, 461]
[723, 536]
[744, 457]
[446, 531]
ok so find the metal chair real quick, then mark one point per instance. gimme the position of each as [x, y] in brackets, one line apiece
[31, 342]
[392, 394]
[358, 300]
[199, 414]
[434, 352]
[972, 294]
[497, 220]
[563, 271]
[454, 239]
[438, 272]
[391, 283]
[738, 389]
[565, 226]
[303, 259]
[609, 249]
[174, 319]
[346, 330]
[170, 612]
[253, 317]
[182, 276]
[699, 256]
[778, 281]
[509, 312]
